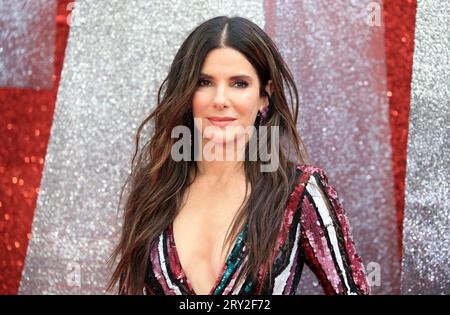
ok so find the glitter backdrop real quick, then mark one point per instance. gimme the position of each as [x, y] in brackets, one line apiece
[426, 237]
[338, 61]
[26, 116]
[27, 37]
[399, 21]
[118, 53]
[353, 77]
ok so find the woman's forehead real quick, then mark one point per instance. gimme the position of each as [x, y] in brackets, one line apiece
[227, 62]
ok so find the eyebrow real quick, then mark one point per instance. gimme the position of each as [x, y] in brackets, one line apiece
[241, 76]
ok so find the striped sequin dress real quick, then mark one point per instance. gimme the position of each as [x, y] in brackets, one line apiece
[315, 231]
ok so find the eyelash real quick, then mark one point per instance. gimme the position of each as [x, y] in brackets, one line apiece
[245, 84]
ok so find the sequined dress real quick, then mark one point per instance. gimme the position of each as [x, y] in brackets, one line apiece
[315, 231]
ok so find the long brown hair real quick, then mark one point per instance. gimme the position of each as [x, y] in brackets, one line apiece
[156, 183]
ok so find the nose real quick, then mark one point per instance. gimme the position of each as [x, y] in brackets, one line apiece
[220, 98]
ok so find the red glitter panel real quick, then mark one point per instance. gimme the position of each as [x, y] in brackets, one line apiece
[399, 22]
[26, 117]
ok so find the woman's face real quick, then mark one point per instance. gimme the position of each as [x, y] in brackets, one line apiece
[228, 88]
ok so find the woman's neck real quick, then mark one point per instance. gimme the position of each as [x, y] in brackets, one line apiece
[220, 172]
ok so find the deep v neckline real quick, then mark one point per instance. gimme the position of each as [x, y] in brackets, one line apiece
[237, 244]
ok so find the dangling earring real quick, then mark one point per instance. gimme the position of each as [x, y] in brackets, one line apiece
[264, 114]
[258, 119]
[261, 116]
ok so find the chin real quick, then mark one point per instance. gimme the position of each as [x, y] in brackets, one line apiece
[219, 140]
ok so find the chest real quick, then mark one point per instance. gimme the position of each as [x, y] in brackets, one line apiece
[199, 232]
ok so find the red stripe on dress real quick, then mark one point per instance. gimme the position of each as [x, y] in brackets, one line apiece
[290, 210]
[319, 244]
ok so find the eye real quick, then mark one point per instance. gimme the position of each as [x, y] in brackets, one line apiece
[241, 84]
[202, 81]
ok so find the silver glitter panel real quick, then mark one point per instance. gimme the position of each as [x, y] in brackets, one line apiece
[117, 56]
[27, 43]
[426, 237]
[338, 62]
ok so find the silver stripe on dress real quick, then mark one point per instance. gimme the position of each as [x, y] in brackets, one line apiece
[172, 286]
[241, 283]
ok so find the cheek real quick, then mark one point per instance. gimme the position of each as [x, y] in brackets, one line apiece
[200, 102]
[246, 106]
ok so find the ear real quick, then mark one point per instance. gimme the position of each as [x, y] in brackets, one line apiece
[269, 87]
[269, 90]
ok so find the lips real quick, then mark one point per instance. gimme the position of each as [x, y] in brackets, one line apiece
[221, 121]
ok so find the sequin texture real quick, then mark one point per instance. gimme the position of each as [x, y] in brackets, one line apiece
[315, 232]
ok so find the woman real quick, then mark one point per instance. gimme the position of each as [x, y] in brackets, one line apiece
[230, 226]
